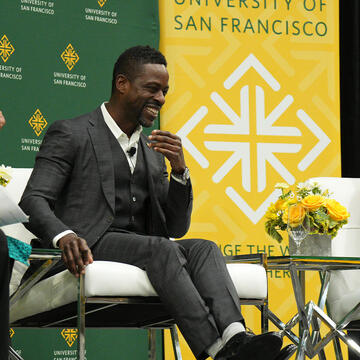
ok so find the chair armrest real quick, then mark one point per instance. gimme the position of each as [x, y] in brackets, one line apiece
[50, 258]
[45, 254]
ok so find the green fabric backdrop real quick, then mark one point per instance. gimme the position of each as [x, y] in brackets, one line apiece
[31, 64]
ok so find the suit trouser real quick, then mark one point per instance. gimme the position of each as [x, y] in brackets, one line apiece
[4, 297]
[190, 277]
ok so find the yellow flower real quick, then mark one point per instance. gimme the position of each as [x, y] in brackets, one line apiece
[313, 202]
[336, 211]
[272, 208]
[271, 216]
[285, 214]
[279, 205]
[290, 202]
[271, 213]
[296, 215]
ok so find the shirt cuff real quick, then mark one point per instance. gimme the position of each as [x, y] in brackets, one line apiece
[181, 181]
[183, 178]
[59, 236]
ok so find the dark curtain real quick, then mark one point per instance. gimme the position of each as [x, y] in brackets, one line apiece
[350, 99]
[350, 87]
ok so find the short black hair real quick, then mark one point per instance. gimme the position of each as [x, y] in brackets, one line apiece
[130, 60]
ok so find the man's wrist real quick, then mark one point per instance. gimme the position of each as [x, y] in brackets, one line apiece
[182, 177]
[56, 239]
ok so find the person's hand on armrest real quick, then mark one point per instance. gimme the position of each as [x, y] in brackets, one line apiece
[75, 253]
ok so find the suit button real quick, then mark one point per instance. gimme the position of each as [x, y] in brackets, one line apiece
[134, 199]
[132, 219]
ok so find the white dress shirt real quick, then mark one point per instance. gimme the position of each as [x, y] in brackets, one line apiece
[125, 142]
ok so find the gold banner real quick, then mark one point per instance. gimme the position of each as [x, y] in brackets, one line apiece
[254, 95]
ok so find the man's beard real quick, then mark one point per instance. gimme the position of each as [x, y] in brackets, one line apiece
[145, 123]
[143, 120]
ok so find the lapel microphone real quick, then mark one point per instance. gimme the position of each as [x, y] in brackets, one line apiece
[131, 151]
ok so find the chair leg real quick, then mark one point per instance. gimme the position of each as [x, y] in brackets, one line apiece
[175, 342]
[264, 318]
[81, 318]
[151, 344]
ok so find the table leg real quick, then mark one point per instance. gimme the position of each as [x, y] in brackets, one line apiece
[325, 281]
[301, 351]
[285, 328]
[298, 283]
[337, 349]
[299, 297]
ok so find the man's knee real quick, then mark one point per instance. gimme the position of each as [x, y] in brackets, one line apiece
[184, 250]
[166, 254]
[169, 248]
[211, 245]
[167, 244]
[201, 246]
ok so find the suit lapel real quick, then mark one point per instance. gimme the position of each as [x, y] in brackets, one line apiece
[98, 133]
[154, 171]
[151, 159]
[100, 139]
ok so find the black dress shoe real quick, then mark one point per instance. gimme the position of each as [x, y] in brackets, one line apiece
[286, 352]
[246, 346]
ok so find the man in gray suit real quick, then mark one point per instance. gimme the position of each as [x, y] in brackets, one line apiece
[100, 190]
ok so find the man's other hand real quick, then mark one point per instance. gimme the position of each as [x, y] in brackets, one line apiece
[2, 120]
[75, 253]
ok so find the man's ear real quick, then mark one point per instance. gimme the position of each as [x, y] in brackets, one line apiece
[122, 83]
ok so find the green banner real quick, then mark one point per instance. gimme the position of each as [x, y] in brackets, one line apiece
[104, 344]
[56, 61]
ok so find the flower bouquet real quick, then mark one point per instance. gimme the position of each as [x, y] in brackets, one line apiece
[324, 215]
[5, 175]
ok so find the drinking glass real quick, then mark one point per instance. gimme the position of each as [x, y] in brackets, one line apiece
[298, 225]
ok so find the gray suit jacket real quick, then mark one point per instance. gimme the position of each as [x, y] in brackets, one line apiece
[72, 185]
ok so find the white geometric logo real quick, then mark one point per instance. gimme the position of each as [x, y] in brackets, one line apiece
[240, 125]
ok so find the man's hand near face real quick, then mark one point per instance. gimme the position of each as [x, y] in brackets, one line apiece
[75, 253]
[2, 120]
[170, 146]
